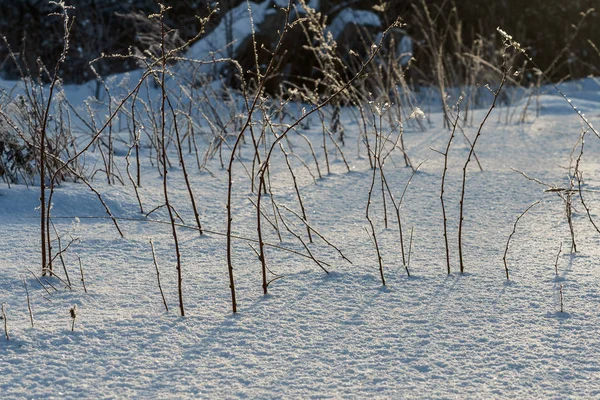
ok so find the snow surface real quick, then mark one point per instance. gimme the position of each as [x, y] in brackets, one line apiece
[342, 335]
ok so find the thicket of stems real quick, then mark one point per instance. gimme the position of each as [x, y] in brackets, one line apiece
[159, 125]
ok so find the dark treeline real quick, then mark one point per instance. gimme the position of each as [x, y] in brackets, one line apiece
[543, 27]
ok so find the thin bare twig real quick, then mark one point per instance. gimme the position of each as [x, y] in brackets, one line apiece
[158, 276]
[445, 154]
[556, 262]
[81, 271]
[464, 179]
[511, 235]
[5, 322]
[28, 302]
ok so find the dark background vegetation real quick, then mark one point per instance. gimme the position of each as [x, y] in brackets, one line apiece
[544, 27]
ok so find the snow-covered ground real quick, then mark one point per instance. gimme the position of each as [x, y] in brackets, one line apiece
[317, 335]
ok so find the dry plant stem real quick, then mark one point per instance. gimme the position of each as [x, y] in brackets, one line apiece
[40, 282]
[184, 168]
[587, 209]
[60, 254]
[297, 157]
[50, 266]
[162, 77]
[400, 138]
[261, 244]
[273, 273]
[434, 46]
[311, 256]
[158, 276]
[177, 216]
[316, 232]
[325, 151]
[136, 134]
[396, 205]
[365, 134]
[378, 147]
[398, 218]
[291, 127]
[133, 182]
[567, 197]
[312, 151]
[53, 274]
[275, 213]
[464, 178]
[339, 149]
[410, 249]
[55, 79]
[556, 262]
[475, 157]
[382, 179]
[569, 40]
[300, 202]
[73, 312]
[81, 272]
[445, 154]
[5, 322]
[208, 232]
[28, 302]
[50, 284]
[248, 122]
[379, 259]
[109, 159]
[551, 188]
[566, 194]
[511, 235]
[136, 145]
[562, 306]
[569, 193]
[274, 225]
[569, 212]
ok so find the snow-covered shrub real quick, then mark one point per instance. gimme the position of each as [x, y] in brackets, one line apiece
[19, 140]
[16, 158]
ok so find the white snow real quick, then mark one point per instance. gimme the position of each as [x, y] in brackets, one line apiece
[316, 335]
